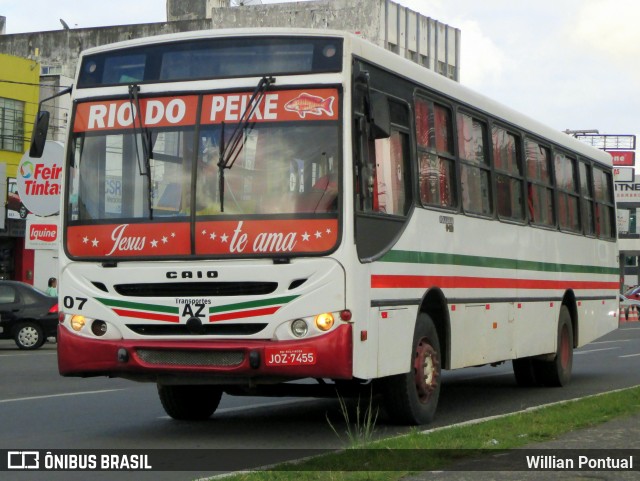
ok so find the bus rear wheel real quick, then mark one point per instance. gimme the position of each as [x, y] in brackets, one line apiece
[189, 403]
[530, 371]
[557, 372]
[525, 372]
[411, 398]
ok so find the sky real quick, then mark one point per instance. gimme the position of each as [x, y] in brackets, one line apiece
[572, 64]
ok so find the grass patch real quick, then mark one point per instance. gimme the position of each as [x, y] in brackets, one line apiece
[361, 432]
[446, 445]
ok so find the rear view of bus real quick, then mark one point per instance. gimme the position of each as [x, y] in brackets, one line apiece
[244, 209]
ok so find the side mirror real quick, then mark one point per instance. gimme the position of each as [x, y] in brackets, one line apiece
[380, 117]
[376, 107]
[39, 136]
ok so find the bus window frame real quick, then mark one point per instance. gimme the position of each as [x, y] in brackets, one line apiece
[533, 180]
[587, 201]
[559, 190]
[377, 232]
[486, 166]
[432, 150]
[607, 203]
[521, 177]
[523, 135]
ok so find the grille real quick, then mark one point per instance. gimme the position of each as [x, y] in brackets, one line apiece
[195, 289]
[211, 330]
[191, 358]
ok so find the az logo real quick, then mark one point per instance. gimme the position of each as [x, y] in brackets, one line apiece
[194, 310]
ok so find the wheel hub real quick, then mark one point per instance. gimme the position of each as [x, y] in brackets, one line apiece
[28, 336]
[426, 370]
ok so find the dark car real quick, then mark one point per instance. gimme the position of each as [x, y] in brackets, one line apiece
[27, 315]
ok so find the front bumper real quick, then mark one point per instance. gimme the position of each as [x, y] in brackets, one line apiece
[219, 361]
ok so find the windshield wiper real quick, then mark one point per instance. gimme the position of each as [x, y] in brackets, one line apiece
[229, 153]
[144, 168]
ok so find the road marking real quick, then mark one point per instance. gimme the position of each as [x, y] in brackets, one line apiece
[610, 342]
[47, 396]
[596, 350]
[29, 354]
[631, 355]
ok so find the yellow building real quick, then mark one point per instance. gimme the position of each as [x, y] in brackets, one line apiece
[19, 91]
[19, 79]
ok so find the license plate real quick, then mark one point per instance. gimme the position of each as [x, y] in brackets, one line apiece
[305, 356]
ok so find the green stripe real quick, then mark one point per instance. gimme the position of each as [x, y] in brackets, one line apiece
[413, 257]
[251, 304]
[139, 306]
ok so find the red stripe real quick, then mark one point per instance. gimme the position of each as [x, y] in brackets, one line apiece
[152, 316]
[244, 314]
[455, 282]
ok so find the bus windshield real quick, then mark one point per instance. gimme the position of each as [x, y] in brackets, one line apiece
[278, 170]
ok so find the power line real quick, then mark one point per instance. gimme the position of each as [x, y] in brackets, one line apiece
[31, 84]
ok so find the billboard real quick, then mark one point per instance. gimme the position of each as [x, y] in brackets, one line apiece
[15, 208]
[38, 180]
[42, 233]
[623, 157]
[623, 174]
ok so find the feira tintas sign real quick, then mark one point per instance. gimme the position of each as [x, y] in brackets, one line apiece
[39, 180]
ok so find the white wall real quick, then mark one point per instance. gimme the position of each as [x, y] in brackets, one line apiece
[46, 266]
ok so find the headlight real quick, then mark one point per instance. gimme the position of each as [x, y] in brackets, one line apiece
[324, 321]
[99, 328]
[299, 328]
[77, 322]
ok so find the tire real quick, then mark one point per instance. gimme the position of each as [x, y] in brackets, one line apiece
[412, 398]
[189, 403]
[23, 211]
[29, 336]
[525, 372]
[557, 372]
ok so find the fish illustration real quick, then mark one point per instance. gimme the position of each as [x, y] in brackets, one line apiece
[306, 103]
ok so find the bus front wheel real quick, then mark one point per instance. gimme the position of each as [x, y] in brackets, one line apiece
[189, 403]
[412, 398]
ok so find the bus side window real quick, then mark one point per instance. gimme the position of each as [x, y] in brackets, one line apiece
[390, 186]
[475, 173]
[385, 185]
[434, 135]
[568, 200]
[539, 186]
[507, 161]
[586, 190]
[603, 193]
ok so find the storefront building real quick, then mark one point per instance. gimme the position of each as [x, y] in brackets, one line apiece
[19, 90]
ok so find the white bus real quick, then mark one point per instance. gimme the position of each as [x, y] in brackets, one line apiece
[244, 209]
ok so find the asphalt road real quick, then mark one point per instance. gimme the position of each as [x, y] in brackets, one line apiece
[41, 410]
